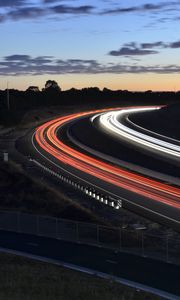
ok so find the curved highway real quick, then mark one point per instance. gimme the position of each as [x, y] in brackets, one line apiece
[113, 122]
[154, 197]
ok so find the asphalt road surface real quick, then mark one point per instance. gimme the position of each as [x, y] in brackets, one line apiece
[154, 274]
[142, 195]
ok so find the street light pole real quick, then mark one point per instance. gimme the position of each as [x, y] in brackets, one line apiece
[8, 103]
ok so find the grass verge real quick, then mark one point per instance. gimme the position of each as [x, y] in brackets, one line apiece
[18, 191]
[22, 278]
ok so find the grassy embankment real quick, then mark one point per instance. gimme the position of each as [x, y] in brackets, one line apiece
[22, 278]
[20, 192]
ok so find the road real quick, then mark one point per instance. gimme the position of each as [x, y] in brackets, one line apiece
[143, 273]
[138, 193]
[116, 122]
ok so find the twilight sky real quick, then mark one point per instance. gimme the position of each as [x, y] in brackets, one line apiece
[119, 44]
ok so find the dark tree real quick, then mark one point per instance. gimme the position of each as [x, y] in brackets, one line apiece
[52, 85]
[32, 88]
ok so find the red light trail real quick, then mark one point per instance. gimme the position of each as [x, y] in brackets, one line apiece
[46, 138]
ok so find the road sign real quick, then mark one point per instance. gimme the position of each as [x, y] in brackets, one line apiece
[5, 156]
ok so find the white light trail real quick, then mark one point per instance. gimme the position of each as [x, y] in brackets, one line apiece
[112, 121]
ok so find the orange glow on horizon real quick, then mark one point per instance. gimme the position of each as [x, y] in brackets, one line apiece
[131, 82]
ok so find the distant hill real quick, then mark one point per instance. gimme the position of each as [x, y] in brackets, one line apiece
[165, 121]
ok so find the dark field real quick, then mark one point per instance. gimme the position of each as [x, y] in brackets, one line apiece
[23, 278]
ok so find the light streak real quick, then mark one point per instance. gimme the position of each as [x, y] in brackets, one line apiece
[112, 121]
[47, 140]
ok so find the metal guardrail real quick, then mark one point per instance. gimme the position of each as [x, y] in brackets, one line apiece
[84, 188]
[135, 241]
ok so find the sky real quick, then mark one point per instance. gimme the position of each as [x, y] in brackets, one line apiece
[118, 44]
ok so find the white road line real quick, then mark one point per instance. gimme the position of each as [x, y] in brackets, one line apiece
[150, 131]
[112, 261]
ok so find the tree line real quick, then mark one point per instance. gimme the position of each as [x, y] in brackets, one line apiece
[14, 103]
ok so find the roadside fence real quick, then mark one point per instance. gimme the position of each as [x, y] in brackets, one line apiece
[137, 242]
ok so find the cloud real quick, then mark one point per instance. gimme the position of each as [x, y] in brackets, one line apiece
[25, 13]
[64, 9]
[125, 51]
[10, 3]
[2, 18]
[174, 45]
[134, 49]
[53, 1]
[17, 57]
[21, 65]
[148, 7]
[152, 45]
[35, 12]
[27, 9]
